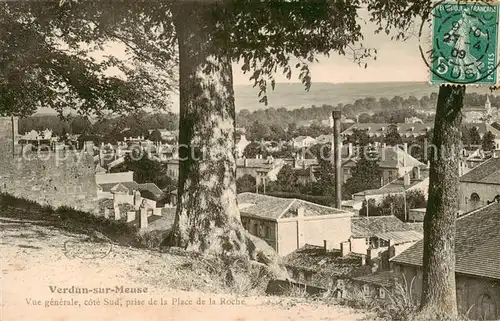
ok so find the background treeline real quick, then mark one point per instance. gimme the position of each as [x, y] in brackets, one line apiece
[276, 122]
[268, 124]
[135, 123]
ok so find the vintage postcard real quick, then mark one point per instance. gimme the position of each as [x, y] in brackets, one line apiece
[249, 160]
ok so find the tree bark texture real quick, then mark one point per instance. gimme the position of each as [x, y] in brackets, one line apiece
[438, 288]
[207, 217]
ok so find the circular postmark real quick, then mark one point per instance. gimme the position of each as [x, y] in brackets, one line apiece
[87, 248]
[462, 47]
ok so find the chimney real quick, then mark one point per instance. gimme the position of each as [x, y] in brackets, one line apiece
[300, 212]
[336, 115]
[325, 248]
[345, 248]
[106, 212]
[406, 180]
[117, 212]
[349, 150]
[130, 216]
[418, 175]
[363, 260]
[369, 256]
[405, 149]
[144, 218]
[89, 148]
[245, 162]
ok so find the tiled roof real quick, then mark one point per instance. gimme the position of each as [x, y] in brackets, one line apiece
[106, 187]
[477, 244]
[420, 129]
[424, 174]
[401, 236]
[417, 226]
[394, 157]
[325, 265]
[391, 157]
[382, 191]
[487, 173]
[162, 223]
[131, 186]
[120, 188]
[150, 187]
[273, 208]
[370, 226]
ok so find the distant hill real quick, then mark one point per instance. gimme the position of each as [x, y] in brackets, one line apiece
[293, 95]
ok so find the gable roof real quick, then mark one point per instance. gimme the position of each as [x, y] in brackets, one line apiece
[399, 182]
[394, 157]
[274, 208]
[391, 157]
[400, 237]
[363, 226]
[109, 187]
[120, 188]
[477, 240]
[487, 172]
[151, 187]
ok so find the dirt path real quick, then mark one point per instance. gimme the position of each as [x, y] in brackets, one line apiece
[36, 263]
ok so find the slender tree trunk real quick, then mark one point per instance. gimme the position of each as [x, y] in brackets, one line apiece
[439, 291]
[207, 218]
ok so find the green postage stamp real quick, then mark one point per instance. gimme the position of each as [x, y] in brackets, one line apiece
[464, 47]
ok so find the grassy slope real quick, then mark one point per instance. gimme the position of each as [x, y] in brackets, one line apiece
[33, 259]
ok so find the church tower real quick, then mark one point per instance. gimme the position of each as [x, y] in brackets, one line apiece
[488, 115]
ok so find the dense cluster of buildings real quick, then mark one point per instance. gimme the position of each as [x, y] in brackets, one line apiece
[323, 247]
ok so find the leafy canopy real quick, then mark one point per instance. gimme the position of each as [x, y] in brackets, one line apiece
[45, 46]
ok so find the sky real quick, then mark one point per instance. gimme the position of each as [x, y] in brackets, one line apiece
[395, 61]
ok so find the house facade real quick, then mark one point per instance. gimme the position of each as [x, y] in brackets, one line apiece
[477, 263]
[288, 224]
[480, 185]
[394, 161]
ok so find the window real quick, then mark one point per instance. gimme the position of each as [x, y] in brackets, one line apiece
[366, 289]
[381, 293]
[367, 242]
[486, 308]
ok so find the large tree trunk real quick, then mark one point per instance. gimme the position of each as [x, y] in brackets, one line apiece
[207, 218]
[438, 291]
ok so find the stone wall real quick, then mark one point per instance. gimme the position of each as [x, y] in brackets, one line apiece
[50, 178]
